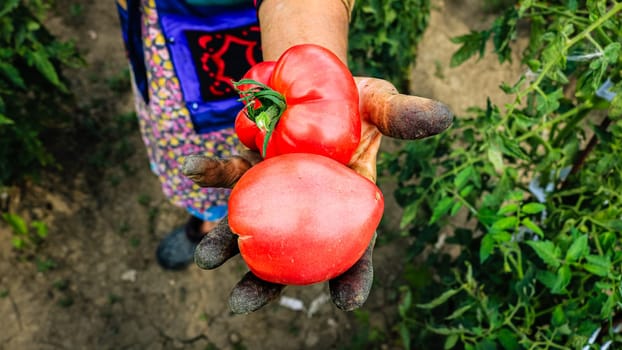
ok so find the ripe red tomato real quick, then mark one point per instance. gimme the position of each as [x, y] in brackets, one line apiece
[303, 218]
[320, 111]
[248, 132]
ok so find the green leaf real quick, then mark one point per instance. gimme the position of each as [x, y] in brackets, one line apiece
[564, 276]
[455, 208]
[441, 208]
[532, 226]
[501, 236]
[405, 304]
[514, 88]
[614, 224]
[598, 265]
[446, 330]
[504, 31]
[16, 222]
[524, 6]
[550, 102]
[553, 55]
[547, 251]
[17, 242]
[568, 29]
[8, 6]
[486, 344]
[533, 208]
[578, 249]
[572, 5]
[515, 195]
[463, 177]
[596, 7]
[487, 246]
[467, 190]
[496, 158]
[511, 147]
[45, 67]
[472, 44]
[506, 223]
[558, 318]
[459, 312]
[41, 228]
[534, 65]
[611, 303]
[440, 299]
[612, 52]
[547, 278]
[451, 341]
[409, 214]
[508, 209]
[508, 339]
[405, 335]
[12, 74]
[33, 26]
[5, 121]
[604, 286]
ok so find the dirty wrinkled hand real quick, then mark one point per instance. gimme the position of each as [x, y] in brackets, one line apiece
[399, 116]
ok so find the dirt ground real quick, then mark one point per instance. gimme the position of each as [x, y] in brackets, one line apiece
[94, 283]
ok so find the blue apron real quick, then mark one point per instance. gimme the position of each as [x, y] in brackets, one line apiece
[211, 46]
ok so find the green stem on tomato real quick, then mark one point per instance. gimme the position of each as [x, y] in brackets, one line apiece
[272, 106]
[266, 121]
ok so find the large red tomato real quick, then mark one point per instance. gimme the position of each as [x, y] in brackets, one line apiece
[303, 218]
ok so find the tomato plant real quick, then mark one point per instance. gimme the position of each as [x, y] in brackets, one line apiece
[303, 218]
[536, 264]
[308, 105]
[33, 92]
[383, 38]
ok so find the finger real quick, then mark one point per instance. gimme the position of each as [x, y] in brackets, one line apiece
[364, 159]
[252, 293]
[252, 157]
[215, 172]
[217, 246]
[350, 290]
[401, 116]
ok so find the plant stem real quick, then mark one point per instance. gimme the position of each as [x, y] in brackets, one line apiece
[272, 105]
[590, 146]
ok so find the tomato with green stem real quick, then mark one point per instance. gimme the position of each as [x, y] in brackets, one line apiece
[309, 104]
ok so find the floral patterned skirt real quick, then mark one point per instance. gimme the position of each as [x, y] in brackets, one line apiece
[167, 126]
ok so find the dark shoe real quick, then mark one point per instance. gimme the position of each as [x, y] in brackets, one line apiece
[176, 250]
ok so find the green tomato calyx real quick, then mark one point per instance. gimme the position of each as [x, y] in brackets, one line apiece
[271, 106]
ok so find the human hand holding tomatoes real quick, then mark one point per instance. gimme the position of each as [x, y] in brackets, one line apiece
[383, 111]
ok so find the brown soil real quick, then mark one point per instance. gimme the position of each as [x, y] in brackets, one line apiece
[102, 288]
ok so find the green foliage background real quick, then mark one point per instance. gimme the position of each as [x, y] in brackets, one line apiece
[539, 256]
[33, 95]
[384, 36]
